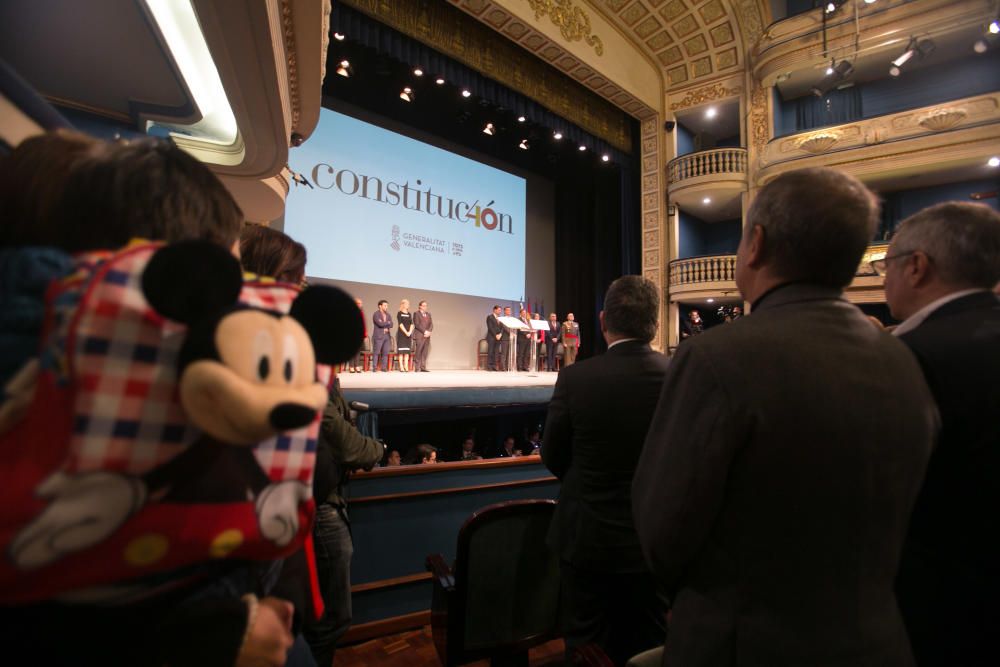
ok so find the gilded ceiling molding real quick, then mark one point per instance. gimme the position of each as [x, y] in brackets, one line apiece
[573, 22]
[715, 91]
[452, 32]
[291, 60]
[758, 117]
[751, 22]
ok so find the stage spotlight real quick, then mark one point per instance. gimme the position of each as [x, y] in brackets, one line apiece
[843, 69]
[417, 71]
[488, 129]
[605, 157]
[344, 68]
[407, 94]
[833, 5]
[993, 162]
[523, 145]
[521, 119]
[582, 148]
[829, 69]
[439, 81]
[711, 112]
[557, 135]
[466, 93]
[994, 27]
[337, 36]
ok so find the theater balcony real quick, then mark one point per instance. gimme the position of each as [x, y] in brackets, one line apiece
[720, 174]
[714, 277]
[953, 139]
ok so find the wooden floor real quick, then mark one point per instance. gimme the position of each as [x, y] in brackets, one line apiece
[416, 649]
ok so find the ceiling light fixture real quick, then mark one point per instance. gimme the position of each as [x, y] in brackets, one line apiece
[706, 200]
[344, 68]
[605, 157]
[521, 119]
[709, 300]
[711, 112]
[337, 36]
[993, 162]
[980, 46]
[523, 145]
[488, 129]
[439, 81]
[417, 71]
[466, 93]
[994, 27]
[179, 26]
[407, 94]
[582, 148]
[557, 135]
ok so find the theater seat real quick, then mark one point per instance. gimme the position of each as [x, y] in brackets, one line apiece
[502, 597]
[482, 350]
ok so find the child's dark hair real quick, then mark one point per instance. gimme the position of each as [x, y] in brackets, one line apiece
[149, 189]
[268, 252]
[32, 179]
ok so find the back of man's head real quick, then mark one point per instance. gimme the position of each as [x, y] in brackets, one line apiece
[817, 223]
[961, 239]
[631, 307]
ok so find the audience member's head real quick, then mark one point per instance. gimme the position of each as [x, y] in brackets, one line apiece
[268, 252]
[509, 444]
[468, 445]
[359, 303]
[426, 453]
[940, 250]
[394, 458]
[32, 178]
[631, 309]
[809, 225]
[148, 189]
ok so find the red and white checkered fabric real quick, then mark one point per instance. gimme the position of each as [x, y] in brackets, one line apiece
[122, 359]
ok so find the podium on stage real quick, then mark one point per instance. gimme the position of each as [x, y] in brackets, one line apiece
[514, 325]
[537, 325]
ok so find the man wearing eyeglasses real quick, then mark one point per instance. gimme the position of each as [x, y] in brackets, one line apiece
[939, 272]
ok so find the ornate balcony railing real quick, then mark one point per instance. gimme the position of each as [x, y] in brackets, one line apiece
[708, 269]
[708, 163]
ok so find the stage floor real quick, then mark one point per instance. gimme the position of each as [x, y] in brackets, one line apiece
[436, 389]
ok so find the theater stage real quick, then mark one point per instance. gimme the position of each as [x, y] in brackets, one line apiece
[438, 389]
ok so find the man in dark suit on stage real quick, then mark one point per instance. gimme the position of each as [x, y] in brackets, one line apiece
[504, 363]
[494, 331]
[381, 345]
[423, 325]
[938, 273]
[594, 431]
[551, 342]
[776, 483]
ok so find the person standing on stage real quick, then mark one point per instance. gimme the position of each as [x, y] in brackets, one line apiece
[380, 337]
[551, 342]
[524, 343]
[423, 325]
[505, 342]
[538, 341]
[570, 339]
[404, 335]
[494, 332]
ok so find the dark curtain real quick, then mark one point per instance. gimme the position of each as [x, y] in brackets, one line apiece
[837, 106]
[589, 249]
[892, 213]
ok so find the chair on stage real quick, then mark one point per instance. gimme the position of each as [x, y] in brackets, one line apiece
[483, 352]
[560, 351]
[393, 355]
[502, 597]
[366, 353]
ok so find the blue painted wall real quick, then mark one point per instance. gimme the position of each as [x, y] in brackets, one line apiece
[685, 140]
[965, 77]
[697, 237]
[899, 205]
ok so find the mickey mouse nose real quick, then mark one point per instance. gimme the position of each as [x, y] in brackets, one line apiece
[290, 416]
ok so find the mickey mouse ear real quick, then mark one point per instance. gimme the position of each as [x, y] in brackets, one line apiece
[333, 322]
[189, 280]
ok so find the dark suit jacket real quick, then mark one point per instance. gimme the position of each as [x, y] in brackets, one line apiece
[594, 431]
[949, 581]
[776, 484]
[383, 325]
[422, 323]
[493, 327]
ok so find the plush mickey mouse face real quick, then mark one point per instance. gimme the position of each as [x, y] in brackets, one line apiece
[246, 374]
[260, 381]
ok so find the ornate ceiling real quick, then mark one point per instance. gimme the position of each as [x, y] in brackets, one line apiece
[692, 40]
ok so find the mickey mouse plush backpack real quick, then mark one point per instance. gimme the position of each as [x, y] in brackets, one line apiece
[174, 421]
